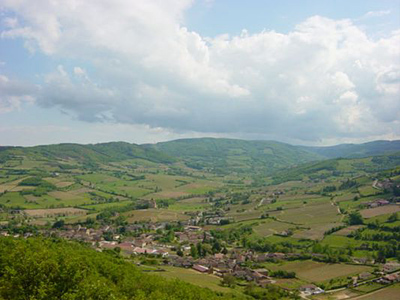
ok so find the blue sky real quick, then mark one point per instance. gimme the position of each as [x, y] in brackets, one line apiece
[303, 72]
[231, 16]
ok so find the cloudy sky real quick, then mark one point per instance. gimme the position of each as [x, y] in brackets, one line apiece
[315, 72]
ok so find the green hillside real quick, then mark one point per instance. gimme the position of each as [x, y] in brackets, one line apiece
[217, 155]
[39, 268]
[339, 167]
[227, 155]
[356, 150]
[98, 153]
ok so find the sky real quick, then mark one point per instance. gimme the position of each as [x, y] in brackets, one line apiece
[310, 72]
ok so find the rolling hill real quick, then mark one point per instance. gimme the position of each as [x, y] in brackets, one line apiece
[97, 153]
[218, 155]
[338, 167]
[227, 155]
[356, 150]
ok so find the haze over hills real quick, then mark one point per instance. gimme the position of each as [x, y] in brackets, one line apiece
[236, 155]
[217, 154]
[356, 150]
[177, 208]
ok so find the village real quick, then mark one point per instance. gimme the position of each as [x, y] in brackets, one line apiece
[237, 264]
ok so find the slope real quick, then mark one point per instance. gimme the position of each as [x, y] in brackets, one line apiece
[356, 150]
[92, 154]
[227, 155]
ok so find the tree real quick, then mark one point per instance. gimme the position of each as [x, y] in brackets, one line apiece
[179, 252]
[193, 251]
[393, 218]
[228, 280]
[355, 218]
[216, 247]
[58, 224]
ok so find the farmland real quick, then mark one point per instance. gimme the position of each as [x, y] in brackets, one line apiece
[311, 271]
[305, 217]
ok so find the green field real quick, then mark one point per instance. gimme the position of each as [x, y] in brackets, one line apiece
[312, 271]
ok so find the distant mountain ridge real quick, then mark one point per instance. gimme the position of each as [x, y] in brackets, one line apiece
[226, 155]
[356, 150]
[220, 155]
[91, 153]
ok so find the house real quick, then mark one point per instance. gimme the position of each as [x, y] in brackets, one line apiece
[391, 267]
[181, 262]
[311, 289]
[107, 245]
[265, 281]
[379, 202]
[239, 273]
[262, 271]
[276, 255]
[262, 257]
[162, 253]
[139, 243]
[126, 247]
[364, 276]
[193, 228]
[139, 250]
[257, 276]
[219, 256]
[390, 278]
[200, 268]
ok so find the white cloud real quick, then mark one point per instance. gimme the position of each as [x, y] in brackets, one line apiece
[327, 78]
[377, 13]
[13, 94]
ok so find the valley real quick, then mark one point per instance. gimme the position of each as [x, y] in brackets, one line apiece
[238, 217]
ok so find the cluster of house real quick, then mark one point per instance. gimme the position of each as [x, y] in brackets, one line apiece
[192, 235]
[310, 289]
[137, 247]
[220, 264]
[385, 184]
[389, 278]
[378, 202]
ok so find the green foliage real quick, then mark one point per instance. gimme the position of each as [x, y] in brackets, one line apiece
[355, 218]
[227, 155]
[39, 268]
[348, 184]
[283, 274]
[228, 280]
[329, 189]
[357, 150]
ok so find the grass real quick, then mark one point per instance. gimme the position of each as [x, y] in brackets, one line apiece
[269, 227]
[155, 215]
[377, 211]
[337, 241]
[312, 271]
[389, 293]
[204, 280]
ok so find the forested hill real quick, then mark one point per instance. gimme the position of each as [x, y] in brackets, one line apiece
[356, 150]
[338, 167]
[47, 269]
[97, 153]
[219, 154]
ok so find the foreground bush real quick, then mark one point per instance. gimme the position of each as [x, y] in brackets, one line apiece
[38, 268]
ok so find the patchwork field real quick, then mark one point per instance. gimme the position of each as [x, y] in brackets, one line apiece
[389, 293]
[312, 271]
[55, 212]
[192, 276]
[155, 215]
[348, 230]
[382, 210]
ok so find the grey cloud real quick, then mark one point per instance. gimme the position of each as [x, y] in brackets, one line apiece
[324, 79]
